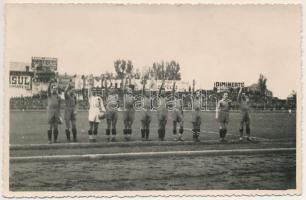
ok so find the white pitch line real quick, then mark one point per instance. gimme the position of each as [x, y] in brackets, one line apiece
[112, 144]
[213, 132]
[132, 143]
[149, 155]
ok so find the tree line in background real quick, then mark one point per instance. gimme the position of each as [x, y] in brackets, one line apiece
[260, 96]
[168, 70]
[124, 69]
[171, 70]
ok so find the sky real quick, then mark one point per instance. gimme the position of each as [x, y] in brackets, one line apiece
[210, 42]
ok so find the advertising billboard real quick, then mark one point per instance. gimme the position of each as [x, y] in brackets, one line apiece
[44, 64]
[20, 80]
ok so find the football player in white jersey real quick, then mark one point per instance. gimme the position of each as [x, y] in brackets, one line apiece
[96, 112]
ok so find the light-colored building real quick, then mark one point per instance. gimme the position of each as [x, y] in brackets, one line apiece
[20, 79]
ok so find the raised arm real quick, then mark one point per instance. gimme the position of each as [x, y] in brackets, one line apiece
[67, 89]
[107, 87]
[239, 94]
[173, 89]
[124, 83]
[217, 109]
[143, 87]
[59, 103]
[49, 89]
[89, 91]
[161, 86]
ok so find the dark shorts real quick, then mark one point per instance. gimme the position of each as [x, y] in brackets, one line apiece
[145, 116]
[162, 115]
[54, 117]
[129, 115]
[111, 115]
[177, 116]
[245, 117]
[196, 117]
[223, 117]
[69, 115]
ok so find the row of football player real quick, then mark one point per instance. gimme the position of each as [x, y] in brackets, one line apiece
[98, 112]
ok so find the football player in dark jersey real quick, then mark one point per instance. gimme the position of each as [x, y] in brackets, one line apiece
[54, 103]
[70, 111]
[222, 115]
[243, 101]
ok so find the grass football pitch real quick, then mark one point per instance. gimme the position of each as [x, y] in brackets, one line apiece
[272, 171]
[30, 127]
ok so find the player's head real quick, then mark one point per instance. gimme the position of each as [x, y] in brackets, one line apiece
[129, 91]
[112, 91]
[163, 91]
[54, 90]
[198, 93]
[177, 94]
[72, 92]
[147, 93]
[225, 95]
[94, 93]
[244, 96]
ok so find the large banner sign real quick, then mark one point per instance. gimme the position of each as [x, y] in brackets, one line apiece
[180, 86]
[154, 85]
[97, 82]
[64, 81]
[44, 63]
[20, 80]
[224, 86]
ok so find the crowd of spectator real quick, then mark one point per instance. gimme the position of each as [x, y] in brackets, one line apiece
[40, 103]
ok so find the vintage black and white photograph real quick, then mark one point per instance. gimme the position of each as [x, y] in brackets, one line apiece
[153, 98]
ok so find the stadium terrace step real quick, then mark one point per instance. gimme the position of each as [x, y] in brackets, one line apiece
[130, 144]
[149, 154]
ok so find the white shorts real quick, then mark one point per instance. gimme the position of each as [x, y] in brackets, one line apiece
[93, 115]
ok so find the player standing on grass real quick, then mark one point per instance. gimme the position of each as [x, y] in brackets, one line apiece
[243, 100]
[70, 112]
[145, 113]
[177, 115]
[129, 111]
[196, 116]
[162, 112]
[112, 104]
[222, 115]
[96, 112]
[54, 103]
